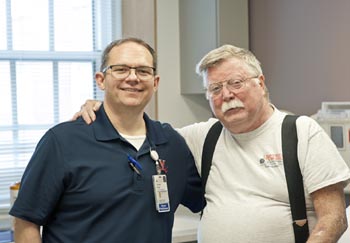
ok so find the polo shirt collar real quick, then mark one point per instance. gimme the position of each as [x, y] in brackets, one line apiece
[104, 130]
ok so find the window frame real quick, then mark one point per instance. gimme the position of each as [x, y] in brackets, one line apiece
[106, 26]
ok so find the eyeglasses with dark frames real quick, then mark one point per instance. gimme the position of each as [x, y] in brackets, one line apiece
[120, 72]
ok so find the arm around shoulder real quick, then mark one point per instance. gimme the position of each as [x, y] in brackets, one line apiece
[87, 111]
[26, 231]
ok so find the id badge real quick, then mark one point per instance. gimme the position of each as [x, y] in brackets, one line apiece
[161, 194]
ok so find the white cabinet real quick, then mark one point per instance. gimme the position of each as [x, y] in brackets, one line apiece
[205, 25]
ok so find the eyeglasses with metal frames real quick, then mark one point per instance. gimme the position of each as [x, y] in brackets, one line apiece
[119, 72]
[215, 89]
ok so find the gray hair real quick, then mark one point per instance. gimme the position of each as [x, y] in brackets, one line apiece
[225, 52]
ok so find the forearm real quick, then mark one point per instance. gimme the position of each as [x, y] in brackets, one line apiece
[328, 229]
[329, 203]
[26, 231]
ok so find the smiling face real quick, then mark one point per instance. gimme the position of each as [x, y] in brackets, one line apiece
[241, 110]
[130, 92]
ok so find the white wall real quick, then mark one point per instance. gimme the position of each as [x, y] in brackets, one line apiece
[138, 20]
[177, 109]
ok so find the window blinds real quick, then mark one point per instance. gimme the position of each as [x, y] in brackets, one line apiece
[49, 52]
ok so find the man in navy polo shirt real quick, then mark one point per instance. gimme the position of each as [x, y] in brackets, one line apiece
[119, 179]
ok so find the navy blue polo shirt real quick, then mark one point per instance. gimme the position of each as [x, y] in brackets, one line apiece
[79, 186]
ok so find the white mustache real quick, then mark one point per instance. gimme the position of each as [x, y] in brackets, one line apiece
[231, 105]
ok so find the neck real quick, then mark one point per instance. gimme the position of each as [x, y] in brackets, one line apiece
[127, 121]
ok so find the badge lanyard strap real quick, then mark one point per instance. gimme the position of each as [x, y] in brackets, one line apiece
[154, 155]
[160, 186]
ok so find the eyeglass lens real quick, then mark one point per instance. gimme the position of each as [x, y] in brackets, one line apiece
[122, 71]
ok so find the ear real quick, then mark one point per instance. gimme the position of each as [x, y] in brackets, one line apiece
[261, 80]
[156, 83]
[261, 83]
[100, 80]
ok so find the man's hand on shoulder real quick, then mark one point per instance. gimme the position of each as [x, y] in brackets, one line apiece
[87, 111]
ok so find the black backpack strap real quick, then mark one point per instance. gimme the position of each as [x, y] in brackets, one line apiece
[208, 151]
[294, 179]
